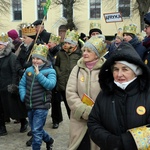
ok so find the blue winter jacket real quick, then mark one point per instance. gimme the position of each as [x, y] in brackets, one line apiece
[35, 90]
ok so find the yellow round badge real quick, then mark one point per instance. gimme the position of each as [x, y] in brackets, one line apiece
[141, 110]
[82, 79]
[29, 73]
[146, 62]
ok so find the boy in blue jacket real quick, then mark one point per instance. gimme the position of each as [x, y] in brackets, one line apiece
[35, 90]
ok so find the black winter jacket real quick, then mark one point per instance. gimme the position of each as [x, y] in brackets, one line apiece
[44, 36]
[115, 110]
[21, 62]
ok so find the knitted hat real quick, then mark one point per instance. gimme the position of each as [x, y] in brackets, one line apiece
[97, 45]
[136, 69]
[71, 37]
[40, 51]
[13, 34]
[147, 18]
[130, 34]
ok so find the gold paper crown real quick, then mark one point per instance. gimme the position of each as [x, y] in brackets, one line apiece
[130, 29]
[99, 44]
[28, 30]
[4, 37]
[141, 137]
[95, 25]
[71, 37]
[40, 51]
[54, 39]
[141, 35]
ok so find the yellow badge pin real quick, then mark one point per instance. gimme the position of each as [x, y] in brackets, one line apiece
[29, 73]
[141, 110]
[82, 79]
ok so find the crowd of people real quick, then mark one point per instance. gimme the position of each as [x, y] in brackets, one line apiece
[103, 84]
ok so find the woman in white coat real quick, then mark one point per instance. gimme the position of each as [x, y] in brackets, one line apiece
[84, 80]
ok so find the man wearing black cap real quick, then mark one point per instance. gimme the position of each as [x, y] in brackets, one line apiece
[43, 34]
[146, 41]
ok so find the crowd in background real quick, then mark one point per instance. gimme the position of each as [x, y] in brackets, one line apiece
[103, 84]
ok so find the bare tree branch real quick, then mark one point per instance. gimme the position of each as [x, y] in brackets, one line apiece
[4, 6]
[68, 5]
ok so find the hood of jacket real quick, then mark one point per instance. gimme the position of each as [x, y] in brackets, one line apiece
[127, 53]
[8, 49]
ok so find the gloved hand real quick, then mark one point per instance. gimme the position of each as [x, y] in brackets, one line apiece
[114, 143]
[12, 88]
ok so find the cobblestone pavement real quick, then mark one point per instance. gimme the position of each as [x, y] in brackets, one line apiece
[16, 140]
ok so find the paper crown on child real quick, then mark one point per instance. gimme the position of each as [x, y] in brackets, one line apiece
[28, 30]
[40, 51]
[54, 39]
[97, 45]
[71, 37]
[131, 28]
[4, 39]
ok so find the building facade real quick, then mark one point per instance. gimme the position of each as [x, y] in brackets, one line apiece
[84, 12]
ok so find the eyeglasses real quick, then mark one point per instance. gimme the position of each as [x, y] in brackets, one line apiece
[146, 26]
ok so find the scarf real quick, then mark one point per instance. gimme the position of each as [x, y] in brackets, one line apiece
[146, 42]
[91, 64]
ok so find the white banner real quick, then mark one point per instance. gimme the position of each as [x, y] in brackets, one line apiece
[113, 17]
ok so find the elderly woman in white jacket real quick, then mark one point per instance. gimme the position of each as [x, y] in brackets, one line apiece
[83, 80]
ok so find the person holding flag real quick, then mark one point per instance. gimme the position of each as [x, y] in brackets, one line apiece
[41, 34]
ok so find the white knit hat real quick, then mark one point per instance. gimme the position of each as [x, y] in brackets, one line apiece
[136, 69]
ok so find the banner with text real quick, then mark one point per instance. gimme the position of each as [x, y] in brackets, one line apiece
[113, 17]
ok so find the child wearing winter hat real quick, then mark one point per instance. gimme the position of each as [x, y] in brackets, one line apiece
[34, 88]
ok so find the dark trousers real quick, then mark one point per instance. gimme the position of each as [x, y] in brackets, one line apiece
[63, 94]
[56, 107]
[57, 97]
[2, 119]
[85, 143]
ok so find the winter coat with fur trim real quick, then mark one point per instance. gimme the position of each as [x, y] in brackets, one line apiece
[10, 103]
[115, 110]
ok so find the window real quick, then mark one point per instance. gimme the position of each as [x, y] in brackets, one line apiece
[124, 8]
[64, 12]
[95, 9]
[17, 9]
[40, 9]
